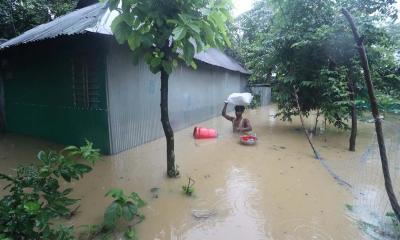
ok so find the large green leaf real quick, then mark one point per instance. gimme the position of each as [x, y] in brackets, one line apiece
[120, 29]
[32, 207]
[129, 211]
[167, 66]
[136, 199]
[112, 214]
[134, 41]
[82, 168]
[115, 193]
[193, 65]
[188, 52]
[194, 26]
[219, 20]
[209, 35]
[155, 62]
[200, 46]
[179, 33]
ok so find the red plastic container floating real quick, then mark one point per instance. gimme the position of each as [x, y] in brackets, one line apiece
[248, 139]
[202, 133]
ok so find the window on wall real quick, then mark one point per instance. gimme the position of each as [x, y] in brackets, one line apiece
[85, 86]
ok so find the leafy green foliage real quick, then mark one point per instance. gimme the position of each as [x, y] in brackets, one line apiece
[188, 190]
[124, 207]
[130, 234]
[171, 30]
[17, 17]
[307, 44]
[386, 104]
[256, 102]
[35, 197]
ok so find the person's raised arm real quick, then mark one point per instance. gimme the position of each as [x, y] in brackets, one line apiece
[224, 113]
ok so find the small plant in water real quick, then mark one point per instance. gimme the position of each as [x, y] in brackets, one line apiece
[189, 189]
[35, 199]
[155, 191]
[123, 207]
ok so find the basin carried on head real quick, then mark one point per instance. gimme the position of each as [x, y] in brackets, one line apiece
[202, 133]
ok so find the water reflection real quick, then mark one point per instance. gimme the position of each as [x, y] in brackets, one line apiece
[272, 190]
[244, 221]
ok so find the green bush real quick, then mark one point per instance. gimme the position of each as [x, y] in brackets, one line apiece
[35, 198]
[256, 102]
[123, 207]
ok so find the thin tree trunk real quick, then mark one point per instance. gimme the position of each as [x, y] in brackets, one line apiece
[269, 75]
[316, 122]
[169, 133]
[353, 114]
[302, 124]
[375, 113]
[326, 130]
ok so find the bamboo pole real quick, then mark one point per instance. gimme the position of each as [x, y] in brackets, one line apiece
[375, 113]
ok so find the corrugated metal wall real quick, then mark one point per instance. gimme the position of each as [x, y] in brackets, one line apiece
[134, 98]
[39, 92]
[264, 92]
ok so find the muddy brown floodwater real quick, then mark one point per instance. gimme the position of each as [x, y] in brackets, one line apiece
[272, 190]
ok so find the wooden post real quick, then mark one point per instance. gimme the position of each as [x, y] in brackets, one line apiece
[375, 113]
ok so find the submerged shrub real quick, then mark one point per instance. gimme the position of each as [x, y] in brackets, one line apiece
[35, 198]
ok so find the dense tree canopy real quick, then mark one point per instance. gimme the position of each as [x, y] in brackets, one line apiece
[19, 16]
[308, 45]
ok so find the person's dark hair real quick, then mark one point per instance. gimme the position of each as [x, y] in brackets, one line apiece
[239, 108]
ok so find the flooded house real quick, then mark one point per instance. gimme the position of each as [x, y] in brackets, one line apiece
[68, 80]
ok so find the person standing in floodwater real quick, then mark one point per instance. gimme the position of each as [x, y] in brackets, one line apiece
[239, 124]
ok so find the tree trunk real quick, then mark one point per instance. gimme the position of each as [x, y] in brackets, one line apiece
[302, 124]
[316, 122]
[375, 113]
[325, 130]
[169, 133]
[269, 76]
[353, 114]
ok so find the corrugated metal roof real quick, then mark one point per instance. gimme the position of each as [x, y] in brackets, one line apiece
[97, 18]
[75, 22]
[217, 58]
